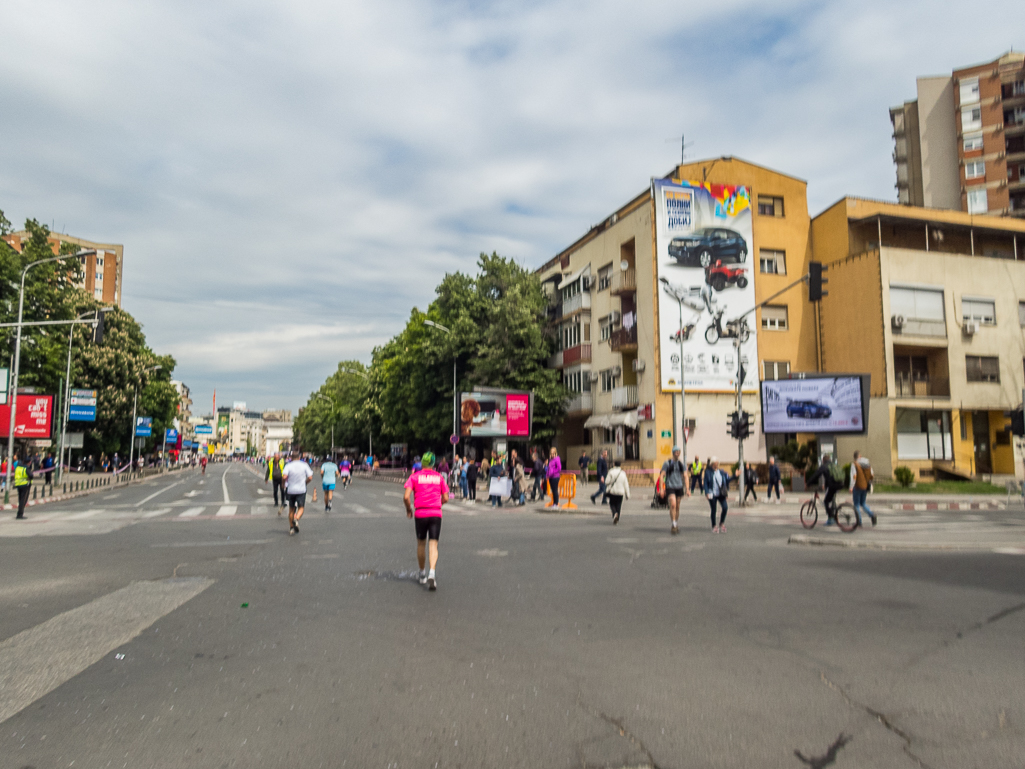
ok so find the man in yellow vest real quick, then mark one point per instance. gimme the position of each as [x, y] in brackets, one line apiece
[22, 482]
[274, 468]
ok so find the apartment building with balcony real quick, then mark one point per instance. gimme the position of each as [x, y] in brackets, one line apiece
[961, 144]
[931, 303]
[101, 272]
[604, 298]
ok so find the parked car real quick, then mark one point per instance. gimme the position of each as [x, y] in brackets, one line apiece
[719, 276]
[707, 245]
[808, 410]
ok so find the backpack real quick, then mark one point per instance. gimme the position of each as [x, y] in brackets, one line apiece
[836, 472]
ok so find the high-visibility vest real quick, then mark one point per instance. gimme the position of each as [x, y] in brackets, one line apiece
[270, 468]
[20, 475]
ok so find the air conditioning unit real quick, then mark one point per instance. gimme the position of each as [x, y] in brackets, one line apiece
[595, 376]
[970, 327]
[638, 365]
[897, 322]
[615, 316]
[585, 283]
[617, 370]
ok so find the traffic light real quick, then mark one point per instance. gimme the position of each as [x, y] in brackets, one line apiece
[734, 425]
[98, 329]
[744, 429]
[815, 281]
[1018, 422]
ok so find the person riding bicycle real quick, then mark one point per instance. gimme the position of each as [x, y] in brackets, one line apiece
[833, 475]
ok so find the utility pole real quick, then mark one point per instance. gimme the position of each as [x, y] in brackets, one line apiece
[740, 412]
[131, 440]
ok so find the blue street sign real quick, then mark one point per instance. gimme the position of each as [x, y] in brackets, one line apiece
[144, 427]
[170, 435]
[81, 413]
[204, 430]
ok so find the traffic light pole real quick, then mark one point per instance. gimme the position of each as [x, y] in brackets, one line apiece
[740, 411]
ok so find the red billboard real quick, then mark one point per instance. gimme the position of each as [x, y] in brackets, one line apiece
[494, 413]
[35, 414]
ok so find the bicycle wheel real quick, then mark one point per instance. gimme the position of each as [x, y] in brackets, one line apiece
[846, 518]
[809, 514]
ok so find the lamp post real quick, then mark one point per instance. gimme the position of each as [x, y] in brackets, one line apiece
[17, 361]
[370, 433]
[332, 402]
[679, 297]
[455, 392]
[135, 403]
[67, 394]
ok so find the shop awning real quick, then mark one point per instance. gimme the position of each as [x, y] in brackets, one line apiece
[625, 418]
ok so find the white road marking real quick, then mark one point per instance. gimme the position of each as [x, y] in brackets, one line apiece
[156, 493]
[227, 510]
[86, 514]
[214, 543]
[360, 510]
[155, 513]
[224, 484]
[259, 510]
[38, 660]
[322, 555]
[192, 512]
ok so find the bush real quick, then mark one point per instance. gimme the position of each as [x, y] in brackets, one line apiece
[904, 476]
[796, 454]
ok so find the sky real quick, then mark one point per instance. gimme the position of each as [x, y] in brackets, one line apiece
[290, 179]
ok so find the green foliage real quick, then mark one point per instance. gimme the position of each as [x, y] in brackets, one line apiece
[500, 337]
[797, 454]
[904, 476]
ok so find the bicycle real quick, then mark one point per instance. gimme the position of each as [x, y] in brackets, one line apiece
[844, 514]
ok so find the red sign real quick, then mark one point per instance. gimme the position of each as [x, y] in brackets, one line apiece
[35, 413]
[517, 415]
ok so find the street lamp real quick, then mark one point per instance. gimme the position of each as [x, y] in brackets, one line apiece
[17, 361]
[332, 402]
[370, 434]
[135, 404]
[455, 392]
[681, 438]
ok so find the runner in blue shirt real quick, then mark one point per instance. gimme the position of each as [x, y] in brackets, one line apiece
[328, 472]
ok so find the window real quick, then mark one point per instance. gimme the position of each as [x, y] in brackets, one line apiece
[605, 277]
[1021, 313]
[772, 262]
[982, 310]
[605, 328]
[978, 203]
[1018, 88]
[974, 169]
[770, 206]
[570, 335]
[571, 290]
[774, 317]
[981, 368]
[917, 303]
[99, 261]
[98, 293]
[969, 90]
[577, 381]
[971, 119]
[608, 379]
[972, 142]
[775, 369]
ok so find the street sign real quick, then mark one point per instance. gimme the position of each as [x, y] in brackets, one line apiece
[143, 427]
[82, 406]
[667, 433]
[74, 440]
[204, 430]
[453, 439]
[170, 435]
[40, 443]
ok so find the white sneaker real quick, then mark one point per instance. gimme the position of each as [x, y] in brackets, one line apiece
[432, 582]
[423, 576]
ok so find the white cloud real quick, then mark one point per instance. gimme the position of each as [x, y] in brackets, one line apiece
[313, 169]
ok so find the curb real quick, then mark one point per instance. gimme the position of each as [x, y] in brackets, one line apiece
[867, 544]
[77, 494]
[918, 506]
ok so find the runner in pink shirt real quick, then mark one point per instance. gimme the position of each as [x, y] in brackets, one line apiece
[426, 492]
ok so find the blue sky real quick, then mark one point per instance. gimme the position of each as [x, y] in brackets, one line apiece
[288, 180]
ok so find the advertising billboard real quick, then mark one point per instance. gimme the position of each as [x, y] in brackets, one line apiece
[495, 414]
[222, 427]
[706, 253]
[35, 413]
[816, 404]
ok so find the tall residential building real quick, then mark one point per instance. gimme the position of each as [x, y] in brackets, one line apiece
[961, 144]
[101, 272]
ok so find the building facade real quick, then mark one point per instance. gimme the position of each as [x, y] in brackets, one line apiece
[961, 144]
[931, 304]
[101, 272]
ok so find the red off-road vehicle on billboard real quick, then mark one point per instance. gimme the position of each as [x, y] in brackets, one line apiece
[719, 276]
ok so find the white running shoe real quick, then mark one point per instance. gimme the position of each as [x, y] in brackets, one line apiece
[423, 576]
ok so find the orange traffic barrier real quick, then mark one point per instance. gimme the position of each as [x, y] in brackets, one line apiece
[568, 491]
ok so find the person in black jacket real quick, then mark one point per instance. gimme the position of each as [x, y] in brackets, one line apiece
[471, 480]
[538, 473]
[827, 472]
[602, 473]
[750, 479]
[774, 479]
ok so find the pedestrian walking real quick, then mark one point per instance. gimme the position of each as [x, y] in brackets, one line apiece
[774, 480]
[602, 473]
[696, 471]
[495, 473]
[328, 476]
[861, 482]
[553, 472]
[618, 488]
[672, 476]
[296, 475]
[519, 493]
[750, 479]
[48, 468]
[584, 462]
[22, 484]
[426, 492]
[510, 467]
[471, 481]
[538, 474]
[274, 475]
[717, 489]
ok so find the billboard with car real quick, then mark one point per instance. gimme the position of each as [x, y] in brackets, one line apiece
[816, 404]
[491, 413]
[705, 253]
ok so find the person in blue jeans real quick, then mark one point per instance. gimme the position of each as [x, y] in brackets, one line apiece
[496, 471]
[602, 473]
[861, 481]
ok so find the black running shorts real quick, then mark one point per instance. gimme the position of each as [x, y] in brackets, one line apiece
[297, 500]
[428, 527]
[676, 492]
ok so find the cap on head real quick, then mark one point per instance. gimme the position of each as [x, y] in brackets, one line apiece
[427, 460]
[675, 449]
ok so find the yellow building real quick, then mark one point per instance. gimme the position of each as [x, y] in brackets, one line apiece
[605, 297]
[931, 303]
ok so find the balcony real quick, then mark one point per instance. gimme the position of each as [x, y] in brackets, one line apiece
[624, 340]
[576, 304]
[920, 372]
[580, 403]
[579, 354]
[624, 282]
[624, 397]
[921, 387]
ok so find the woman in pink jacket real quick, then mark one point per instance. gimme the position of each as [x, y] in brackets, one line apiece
[554, 471]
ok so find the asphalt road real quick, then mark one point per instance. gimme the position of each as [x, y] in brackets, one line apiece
[552, 641]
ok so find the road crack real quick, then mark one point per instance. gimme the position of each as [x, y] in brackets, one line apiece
[971, 629]
[829, 757]
[879, 716]
[624, 731]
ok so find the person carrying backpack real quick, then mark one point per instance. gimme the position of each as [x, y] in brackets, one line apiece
[832, 473]
[861, 482]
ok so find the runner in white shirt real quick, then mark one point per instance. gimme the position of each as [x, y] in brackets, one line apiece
[296, 474]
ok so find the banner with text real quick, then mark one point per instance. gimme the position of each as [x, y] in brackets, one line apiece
[495, 414]
[35, 414]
